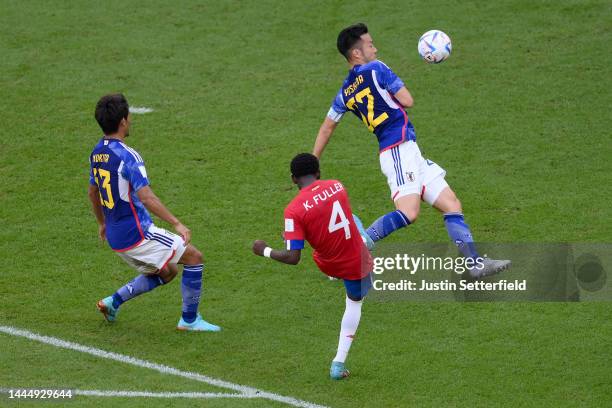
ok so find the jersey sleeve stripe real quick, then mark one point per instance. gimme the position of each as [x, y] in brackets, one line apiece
[129, 151]
[138, 155]
[138, 158]
[132, 152]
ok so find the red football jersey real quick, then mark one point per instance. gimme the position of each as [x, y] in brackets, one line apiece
[321, 214]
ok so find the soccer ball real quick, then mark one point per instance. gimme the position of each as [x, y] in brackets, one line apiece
[434, 46]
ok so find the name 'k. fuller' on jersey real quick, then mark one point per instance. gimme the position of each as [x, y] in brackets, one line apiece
[321, 214]
[368, 92]
[119, 172]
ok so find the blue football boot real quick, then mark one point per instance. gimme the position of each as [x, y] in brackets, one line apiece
[364, 235]
[198, 324]
[105, 306]
[337, 371]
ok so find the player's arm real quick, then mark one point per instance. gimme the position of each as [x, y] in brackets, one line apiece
[289, 257]
[334, 115]
[404, 97]
[394, 84]
[154, 205]
[325, 133]
[94, 197]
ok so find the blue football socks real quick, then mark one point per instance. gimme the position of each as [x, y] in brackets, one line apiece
[386, 224]
[137, 286]
[459, 232]
[191, 287]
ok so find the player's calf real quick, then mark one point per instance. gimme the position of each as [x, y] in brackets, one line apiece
[109, 306]
[348, 328]
[356, 290]
[447, 202]
[460, 233]
[191, 290]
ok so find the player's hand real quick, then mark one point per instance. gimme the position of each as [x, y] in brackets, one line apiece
[184, 232]
[259, 246]
[102, 232]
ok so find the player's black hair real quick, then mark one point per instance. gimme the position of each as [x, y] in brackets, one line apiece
[110, 110]
[304, 164]
[349, 37]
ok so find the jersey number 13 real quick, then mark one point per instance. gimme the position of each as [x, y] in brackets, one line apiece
[103, 178]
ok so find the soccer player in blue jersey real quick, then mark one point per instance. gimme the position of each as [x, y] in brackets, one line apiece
[379, 98]
[121, 199]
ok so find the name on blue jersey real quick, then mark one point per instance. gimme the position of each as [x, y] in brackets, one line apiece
[100, 158]
[353, 87]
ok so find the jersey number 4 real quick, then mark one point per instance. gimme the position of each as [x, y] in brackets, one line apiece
[370, 121]
[104, 185]
[343, 223]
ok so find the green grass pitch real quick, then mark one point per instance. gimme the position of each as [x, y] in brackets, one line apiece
[519, 116]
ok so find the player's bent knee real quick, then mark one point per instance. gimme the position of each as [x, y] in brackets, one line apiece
[192, 256]
[410, 206]
[448, 202]
[457, 206]
[199, 258]
[453, 204]
[168, 273]
[411, 213]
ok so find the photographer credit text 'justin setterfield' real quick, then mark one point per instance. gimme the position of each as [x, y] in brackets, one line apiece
[406, 264]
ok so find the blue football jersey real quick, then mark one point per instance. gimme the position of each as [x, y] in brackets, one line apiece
[368, 92]
[119, 172]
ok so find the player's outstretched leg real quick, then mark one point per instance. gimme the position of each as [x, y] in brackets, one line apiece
[348, 328]
[191, 287]
[460, 233]
[109, 306]
[356, 290]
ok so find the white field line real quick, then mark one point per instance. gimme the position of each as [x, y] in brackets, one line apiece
[146, 394]
[140, 110]
[248, 392]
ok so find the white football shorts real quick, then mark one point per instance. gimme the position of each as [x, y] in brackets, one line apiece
[158, 249]
[408, 172]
